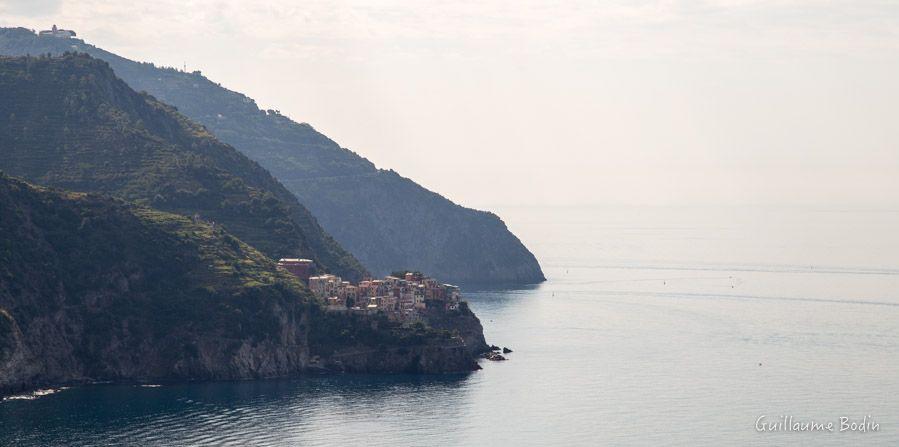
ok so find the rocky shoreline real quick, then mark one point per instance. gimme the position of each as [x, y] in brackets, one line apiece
[432, 360]
[249, 361]
[452, 358]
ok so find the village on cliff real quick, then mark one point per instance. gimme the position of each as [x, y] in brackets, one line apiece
[401, 299]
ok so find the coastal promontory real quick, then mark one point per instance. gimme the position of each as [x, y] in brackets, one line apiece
[93, 288]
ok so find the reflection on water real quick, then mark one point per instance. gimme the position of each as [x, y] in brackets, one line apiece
[313, 411]
[656, 327]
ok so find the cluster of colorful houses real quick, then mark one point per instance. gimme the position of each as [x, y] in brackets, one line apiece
[399, 298]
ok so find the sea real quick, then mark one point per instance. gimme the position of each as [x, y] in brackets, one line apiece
[656, 326]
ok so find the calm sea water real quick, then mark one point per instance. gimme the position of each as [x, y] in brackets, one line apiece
[657, 326]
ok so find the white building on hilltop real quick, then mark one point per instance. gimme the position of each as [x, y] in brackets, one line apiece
[57, 32]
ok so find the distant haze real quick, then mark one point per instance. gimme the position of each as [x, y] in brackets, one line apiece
[529, 102]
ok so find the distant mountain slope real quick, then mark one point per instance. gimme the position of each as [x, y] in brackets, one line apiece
[387, 221]
[94, 288]
[70, 122]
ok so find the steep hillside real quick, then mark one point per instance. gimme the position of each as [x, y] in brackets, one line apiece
[70, 122]
[387, 221]
[94, 288]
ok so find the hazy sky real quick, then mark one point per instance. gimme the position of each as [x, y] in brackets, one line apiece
[520, 102]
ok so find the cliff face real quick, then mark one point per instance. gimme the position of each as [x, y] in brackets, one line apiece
[409, 227]
[462, 322]
[415, 360]
[388, 222]
[93, 288]
[69, 122]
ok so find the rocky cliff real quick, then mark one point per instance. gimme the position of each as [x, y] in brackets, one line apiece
[95, 289]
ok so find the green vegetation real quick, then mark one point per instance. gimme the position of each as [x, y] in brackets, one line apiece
[129, 290]
[387, 221]
[70, 123]
[162, 267]
[104, 289]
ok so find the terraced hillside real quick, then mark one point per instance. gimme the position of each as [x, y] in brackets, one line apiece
[69, 122]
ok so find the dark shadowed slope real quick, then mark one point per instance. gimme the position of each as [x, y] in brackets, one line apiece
[70, 122]
[92, 288]
[387, 221]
